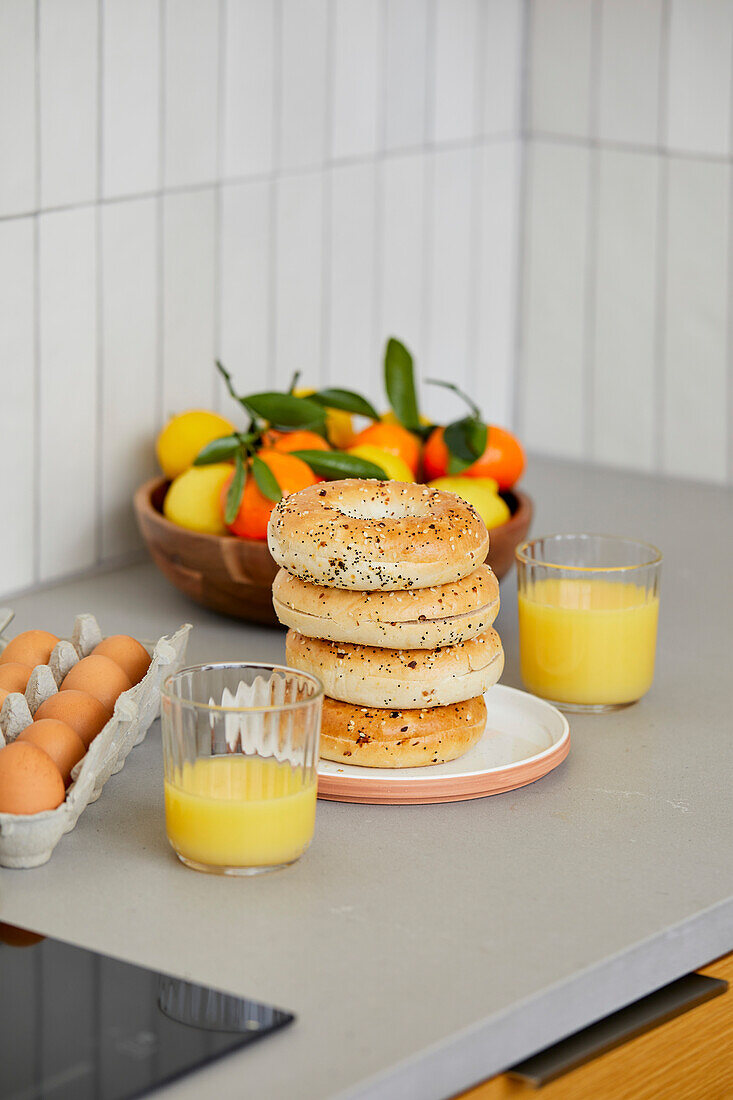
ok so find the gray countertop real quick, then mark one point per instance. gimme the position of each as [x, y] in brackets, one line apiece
[426, 948]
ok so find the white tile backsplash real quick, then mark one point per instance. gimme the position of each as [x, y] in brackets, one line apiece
[352, 350]
[249, 75]
[298, 305]
[450, 249]
[560, 57]
[629, 62]
[285, 183]
[405, 80]
[305, 60]
[401, 252]
[699, 76]
[552, 411]
[18, 106]
[68, 34]
[623, 355]
[356, 63]
[500, 66]
[191, 100]
[68, 421]
[128, 378]
[245, 338]
[188, 307]
[456, 58]
[697, 303]
[495, 294]
[130, 96]
[17, 356]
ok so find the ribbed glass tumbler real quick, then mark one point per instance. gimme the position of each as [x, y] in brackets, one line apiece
[588, 607]
[240, 749]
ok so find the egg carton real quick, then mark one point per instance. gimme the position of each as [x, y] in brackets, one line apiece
[27, 840]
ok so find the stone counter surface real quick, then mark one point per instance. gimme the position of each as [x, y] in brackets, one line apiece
[426, 948]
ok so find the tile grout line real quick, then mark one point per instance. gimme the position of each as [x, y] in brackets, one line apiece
[324, 367]
[661, 248]
[588, 388]
[38, 438]
[378, 335]
[99, 287]
[218, 243]
[160, 217]
[522, 233]
[273, 197]
[476, 206]
[428, 168]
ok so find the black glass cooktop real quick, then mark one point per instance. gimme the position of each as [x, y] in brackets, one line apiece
[75, 1025]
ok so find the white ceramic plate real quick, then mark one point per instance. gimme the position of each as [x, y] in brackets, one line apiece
[525, 738]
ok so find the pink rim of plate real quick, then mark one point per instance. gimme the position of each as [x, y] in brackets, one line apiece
[420, 791]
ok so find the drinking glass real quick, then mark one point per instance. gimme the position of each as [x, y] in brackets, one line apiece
[588, 608]
[240, 750]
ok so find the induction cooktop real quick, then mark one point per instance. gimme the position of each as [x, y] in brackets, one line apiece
[77, 1025]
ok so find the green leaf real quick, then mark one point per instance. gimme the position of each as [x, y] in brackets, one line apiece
[284, 410]
[338, 464]
[456, 389]
[266, 480]
[235, 490]
[466, 439]
[219, 450]
[399, 382]
[456, 465]
[346, 400]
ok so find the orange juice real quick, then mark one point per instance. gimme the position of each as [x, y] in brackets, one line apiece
[240, 811]
[587, 641]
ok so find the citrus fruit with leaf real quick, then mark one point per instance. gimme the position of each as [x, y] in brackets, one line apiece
[481, 493]
[395, 440]
[339, 423]
[185, 435]
[262, 488]
[395, 468]
[194, 498]
[501, 459]
[286, 442]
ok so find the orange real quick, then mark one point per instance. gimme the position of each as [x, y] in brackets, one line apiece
[503, 460]
[395, 440]
[252, 518]
[284, 442]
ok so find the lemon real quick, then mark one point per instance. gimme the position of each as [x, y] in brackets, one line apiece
[394, 467]
[479, 491]
[194, 498]
[185, 435]
[339, 425]
[390, 418]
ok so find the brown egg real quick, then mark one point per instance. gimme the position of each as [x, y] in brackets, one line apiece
[3, 695]
[63, 745]
[29, 780]
[100, 676]
[132, 657]
[14, 675]
[32, 647]
[80, 710]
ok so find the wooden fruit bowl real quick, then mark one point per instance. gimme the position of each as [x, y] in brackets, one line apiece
[234, 576]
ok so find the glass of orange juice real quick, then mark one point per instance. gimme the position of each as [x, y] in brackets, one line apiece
[588, 608]
[240, 750]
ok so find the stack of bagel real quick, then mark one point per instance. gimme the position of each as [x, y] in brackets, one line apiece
[383, 587]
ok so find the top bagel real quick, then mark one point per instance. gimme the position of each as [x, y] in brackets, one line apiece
[369, 535]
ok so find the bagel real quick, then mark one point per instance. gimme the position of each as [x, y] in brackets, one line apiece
[402, 678]
[377, 737]
[367, 535]
[416, 618]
